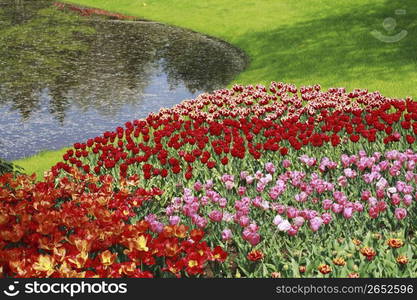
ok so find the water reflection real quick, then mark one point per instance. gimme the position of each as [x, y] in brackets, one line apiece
[64, 79]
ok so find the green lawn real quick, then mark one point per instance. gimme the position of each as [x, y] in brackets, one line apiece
[40, 162]
[302, 42]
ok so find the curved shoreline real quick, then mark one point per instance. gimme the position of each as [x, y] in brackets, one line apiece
[44, 159]
[120, 18]
[327, 43]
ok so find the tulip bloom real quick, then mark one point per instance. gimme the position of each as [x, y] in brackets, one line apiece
[284, 225]
[277, 220]
[400, 213]
[227, 234]
[315, 223]
[216, 216]
[255, 255]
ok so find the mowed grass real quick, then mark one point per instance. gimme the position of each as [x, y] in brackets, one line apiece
[302, 42]
[40, 162]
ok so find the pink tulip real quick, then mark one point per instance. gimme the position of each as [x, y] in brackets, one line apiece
[174, 220]
[265, 205]
[372, 201]
[315, 223]
[327, 204]
[383, 165]
[277, 220]
[156, 226]
[345, 160]
[407, 200]
[411, 165]
[222, 202]
[257, 201]
[227, 217]
[244, 174]
[395, 199]
[252, 227]
[216, 216]
[347, 212]
[301, 197]
[382, 183]
[342, 181]
[380, 193]
[270, 168]
[291, 212]
[394, 171]
[259, 175]
[377, 156]
[408, 189]
[254, 239]
[337, 208]
[310, 214]
[227, 177]
[244, 221]
[382, 206]
[365, 195]
[198, 186]
[249, 179]
[284, 225]
[229, 185]
[227, 234]
[286, 163]
[201, 222]
[298, 221]
[204, 200]
[169, 210]
[209, 184]
[357, 206]
[260, 187]
[392, 154]
[327, 218]
[400, 213]
[409, 176]
[281, 209]
[400, 186]
[392, 190]
[349, 173]
[292, 231]
[339, 197]
[373, 212]
[241, 190]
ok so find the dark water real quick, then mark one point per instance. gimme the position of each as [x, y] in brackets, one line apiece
[65, 79]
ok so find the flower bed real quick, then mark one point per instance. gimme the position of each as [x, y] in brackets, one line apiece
[75, 228]
[288, 182]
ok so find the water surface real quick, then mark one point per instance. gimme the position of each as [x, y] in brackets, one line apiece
[64, 78]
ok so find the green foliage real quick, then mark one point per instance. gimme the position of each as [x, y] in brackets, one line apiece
[5, 167]
[8, 167]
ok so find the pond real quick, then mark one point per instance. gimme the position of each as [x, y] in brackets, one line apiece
[66, 78]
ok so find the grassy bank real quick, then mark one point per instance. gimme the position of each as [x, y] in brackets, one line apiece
[40, 162]
[302, 42]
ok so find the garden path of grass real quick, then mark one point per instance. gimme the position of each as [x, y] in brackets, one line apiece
[302, 42]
